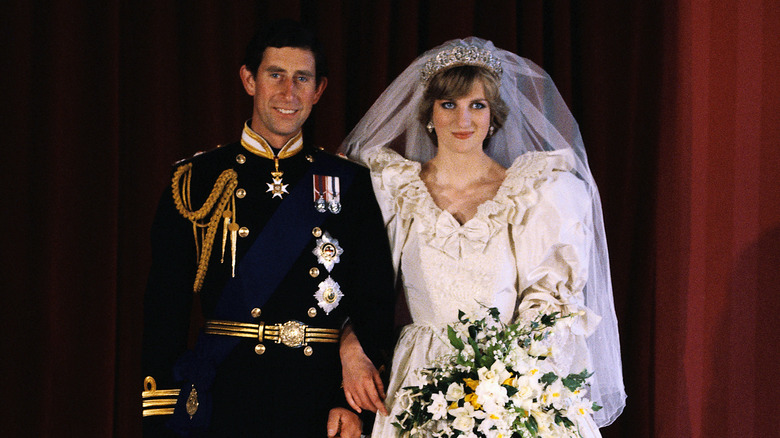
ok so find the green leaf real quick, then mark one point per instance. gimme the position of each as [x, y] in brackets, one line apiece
[477, 353]
[454, 340]
[532, 425]
[575, 381]
[595, 407]
[549, 319]
[510, 390]
[548, 378]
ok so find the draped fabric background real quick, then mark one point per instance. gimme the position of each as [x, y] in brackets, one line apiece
[678, 106]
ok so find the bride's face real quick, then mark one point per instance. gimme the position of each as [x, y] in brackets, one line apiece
[462, 124]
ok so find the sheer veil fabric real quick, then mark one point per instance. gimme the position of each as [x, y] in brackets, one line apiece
[538, 120]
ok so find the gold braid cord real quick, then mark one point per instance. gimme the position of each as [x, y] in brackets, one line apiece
[213, 208]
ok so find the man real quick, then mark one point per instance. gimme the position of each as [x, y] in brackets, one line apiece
[283, 243]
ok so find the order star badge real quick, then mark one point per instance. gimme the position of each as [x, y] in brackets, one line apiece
[277, 188]
[328, 295]
[328, 251]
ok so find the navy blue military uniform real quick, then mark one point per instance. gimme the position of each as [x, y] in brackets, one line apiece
[261, 387]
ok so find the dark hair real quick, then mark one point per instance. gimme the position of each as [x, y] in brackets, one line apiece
[284, 33]
[456, 82]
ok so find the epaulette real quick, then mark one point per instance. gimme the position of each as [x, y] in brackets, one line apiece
[194, 156]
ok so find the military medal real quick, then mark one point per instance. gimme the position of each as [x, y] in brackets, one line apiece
[259, 146]
[319, 193]
[328, 251]
[327, 194]
[333, 195]
[328, 295]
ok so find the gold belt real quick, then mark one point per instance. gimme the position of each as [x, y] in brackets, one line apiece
[291, 333]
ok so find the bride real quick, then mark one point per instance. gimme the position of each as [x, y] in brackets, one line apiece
[483, 181]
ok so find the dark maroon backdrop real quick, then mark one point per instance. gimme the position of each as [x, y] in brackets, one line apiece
[677, 106]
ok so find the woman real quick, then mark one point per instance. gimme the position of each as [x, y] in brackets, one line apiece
[489, 202]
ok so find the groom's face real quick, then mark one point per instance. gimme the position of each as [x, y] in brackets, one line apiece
[284, 90]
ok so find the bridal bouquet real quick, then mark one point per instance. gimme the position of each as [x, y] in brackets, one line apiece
[496, 383]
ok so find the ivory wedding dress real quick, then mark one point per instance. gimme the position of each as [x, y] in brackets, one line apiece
[524, 252]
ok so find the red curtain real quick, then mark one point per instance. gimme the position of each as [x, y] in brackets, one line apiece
[718, 223]
[677, 103]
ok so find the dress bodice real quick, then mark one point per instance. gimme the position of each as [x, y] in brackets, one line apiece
[448, 272]
[443, 262]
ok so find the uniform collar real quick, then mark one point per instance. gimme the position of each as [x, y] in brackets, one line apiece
[255, 143]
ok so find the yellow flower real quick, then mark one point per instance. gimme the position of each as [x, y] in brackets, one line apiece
[471, 383]
[510, 381]
[472, 398]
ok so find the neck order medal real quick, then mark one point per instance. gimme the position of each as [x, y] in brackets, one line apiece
[256, 144]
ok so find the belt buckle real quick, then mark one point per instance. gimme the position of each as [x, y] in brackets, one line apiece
[292, 334]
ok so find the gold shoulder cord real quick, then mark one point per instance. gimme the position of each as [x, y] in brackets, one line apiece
[214, 209]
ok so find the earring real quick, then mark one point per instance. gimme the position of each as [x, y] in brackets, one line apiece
[491, 130]
[429, 126]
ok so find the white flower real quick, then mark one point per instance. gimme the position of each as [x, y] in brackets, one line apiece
[455, 392]
[499, 369]
[543, 420]
[486, 375]
[578, 409]
[528, 389]
[492, 396]
[538, 348]
[442, 428]
[438, 406]
[464, 420]
[519, 360]
[467, 352]
[494, 426]
[554, 394]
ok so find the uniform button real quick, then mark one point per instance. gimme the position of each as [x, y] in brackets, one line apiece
[316, 232]
[308, 351]
[240, 193]
[309, 158]
[240, 159]
[314, 272]
[312, 312]
[259, 348]
[256, 312]
[243, 232]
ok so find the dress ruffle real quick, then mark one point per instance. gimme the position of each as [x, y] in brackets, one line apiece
[400, 180]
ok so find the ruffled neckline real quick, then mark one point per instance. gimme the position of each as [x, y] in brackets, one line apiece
[401, 179]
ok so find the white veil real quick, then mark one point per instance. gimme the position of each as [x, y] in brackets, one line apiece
[538, 120]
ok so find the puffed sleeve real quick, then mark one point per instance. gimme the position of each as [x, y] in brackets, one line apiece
[391, 177]
[552, 242]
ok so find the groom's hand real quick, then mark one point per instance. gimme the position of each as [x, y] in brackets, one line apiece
[343, 423]
[363, 387]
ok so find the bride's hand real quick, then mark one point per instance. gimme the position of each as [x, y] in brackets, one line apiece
[363, 386]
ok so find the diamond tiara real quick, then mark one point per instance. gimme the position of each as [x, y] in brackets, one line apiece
[461, 55]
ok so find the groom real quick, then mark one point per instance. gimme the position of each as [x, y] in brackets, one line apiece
[282, 244]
